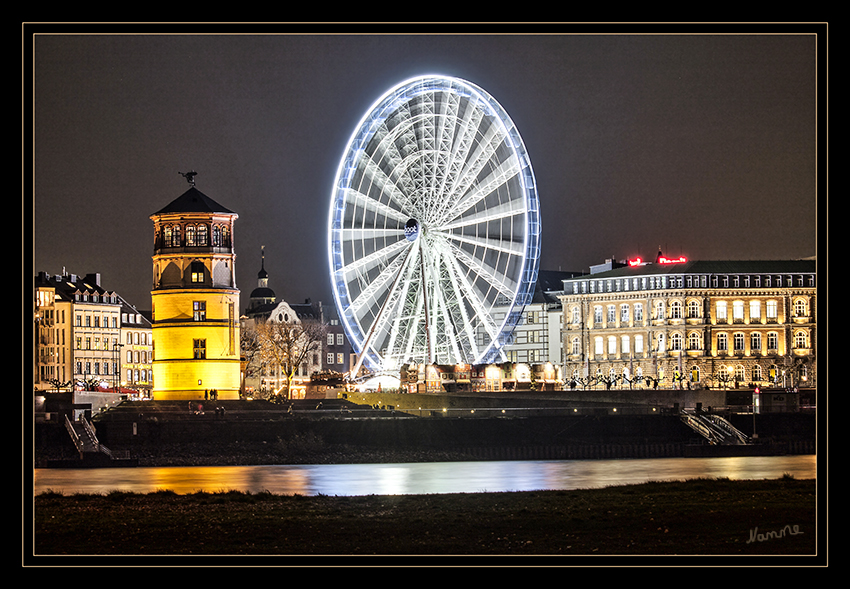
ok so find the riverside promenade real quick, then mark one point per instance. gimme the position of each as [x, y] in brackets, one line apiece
[385, 427]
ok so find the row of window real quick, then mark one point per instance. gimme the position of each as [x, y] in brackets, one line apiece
[338, 337]
[85, 297]
[95, 320]
[133, 375]
[699, 281]
[693, 310]
[339, 357]
[694, 342]
[195, 235]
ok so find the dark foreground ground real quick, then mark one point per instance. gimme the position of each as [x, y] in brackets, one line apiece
[696, 517]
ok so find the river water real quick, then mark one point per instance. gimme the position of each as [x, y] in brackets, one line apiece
[418, 477]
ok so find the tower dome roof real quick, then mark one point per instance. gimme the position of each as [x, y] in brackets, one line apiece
[193, 201]
[262, 292]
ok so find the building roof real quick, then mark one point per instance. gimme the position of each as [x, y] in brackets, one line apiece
[764, 267]
[193, 201]
[67, 285]
[262, 292]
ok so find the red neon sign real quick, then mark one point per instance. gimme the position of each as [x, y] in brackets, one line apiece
[661, 260]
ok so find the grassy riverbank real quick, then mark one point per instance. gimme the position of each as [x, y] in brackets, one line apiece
[696, 517]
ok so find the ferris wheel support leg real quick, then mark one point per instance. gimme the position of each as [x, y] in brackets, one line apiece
[425, 300]
[368, 342]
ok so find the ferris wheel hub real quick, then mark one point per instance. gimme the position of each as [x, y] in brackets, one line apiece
[412, 229]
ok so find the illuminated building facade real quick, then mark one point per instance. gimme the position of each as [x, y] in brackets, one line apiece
[88, 337]
[195, 301]
[136, 351]
[692, 324]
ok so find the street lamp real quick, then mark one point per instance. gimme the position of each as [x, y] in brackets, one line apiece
[116, 354]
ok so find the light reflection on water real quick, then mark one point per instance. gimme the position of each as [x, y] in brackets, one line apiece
[418, 478]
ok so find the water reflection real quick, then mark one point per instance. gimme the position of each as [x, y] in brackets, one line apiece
[419, 478]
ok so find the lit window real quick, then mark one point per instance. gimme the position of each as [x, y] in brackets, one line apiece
[755, 311]
[197, 272]
[675, 310]
[199, 347]
[739, 342]
[676, 341]
[199, 309]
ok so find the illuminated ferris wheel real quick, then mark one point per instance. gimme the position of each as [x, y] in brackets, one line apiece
[434, 230]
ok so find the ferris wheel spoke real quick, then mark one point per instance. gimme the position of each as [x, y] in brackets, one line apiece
[512, 248]
[476, 300]
[367, 204]
[465, 325]
[497, 178]
[505, 285]
[379, 286]
[398, 297]
[456, 182]
[483, 154]
[377, 258]
[505, 210]
[377, 176]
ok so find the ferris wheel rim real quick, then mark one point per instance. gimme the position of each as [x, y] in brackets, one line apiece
[518, 294]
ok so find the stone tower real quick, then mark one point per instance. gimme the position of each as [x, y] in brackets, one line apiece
[195, 301]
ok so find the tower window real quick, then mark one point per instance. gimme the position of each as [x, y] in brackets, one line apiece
[199, 347]
[197, 272]
[199, 310]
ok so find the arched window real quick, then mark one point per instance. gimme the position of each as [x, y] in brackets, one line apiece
[757, 373]
[695, 373]
[693, 309]
[722, 342]
[166, 236]
[801, 339]
[202, 235]
[216, 236]
[800, 308]
[190, 235]
[694, 341]
[175, 240]
[773, 341]
[740, 374]
[739, 341]
[675, 310]
[676, 341]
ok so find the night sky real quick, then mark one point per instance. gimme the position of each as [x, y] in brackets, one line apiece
[703, 144]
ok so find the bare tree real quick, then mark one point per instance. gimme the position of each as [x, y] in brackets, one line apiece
[251, 348]
[289, 344]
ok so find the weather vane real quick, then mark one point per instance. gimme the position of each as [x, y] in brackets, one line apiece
[190, 176]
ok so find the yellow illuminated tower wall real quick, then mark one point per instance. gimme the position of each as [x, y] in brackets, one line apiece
[195, 300]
